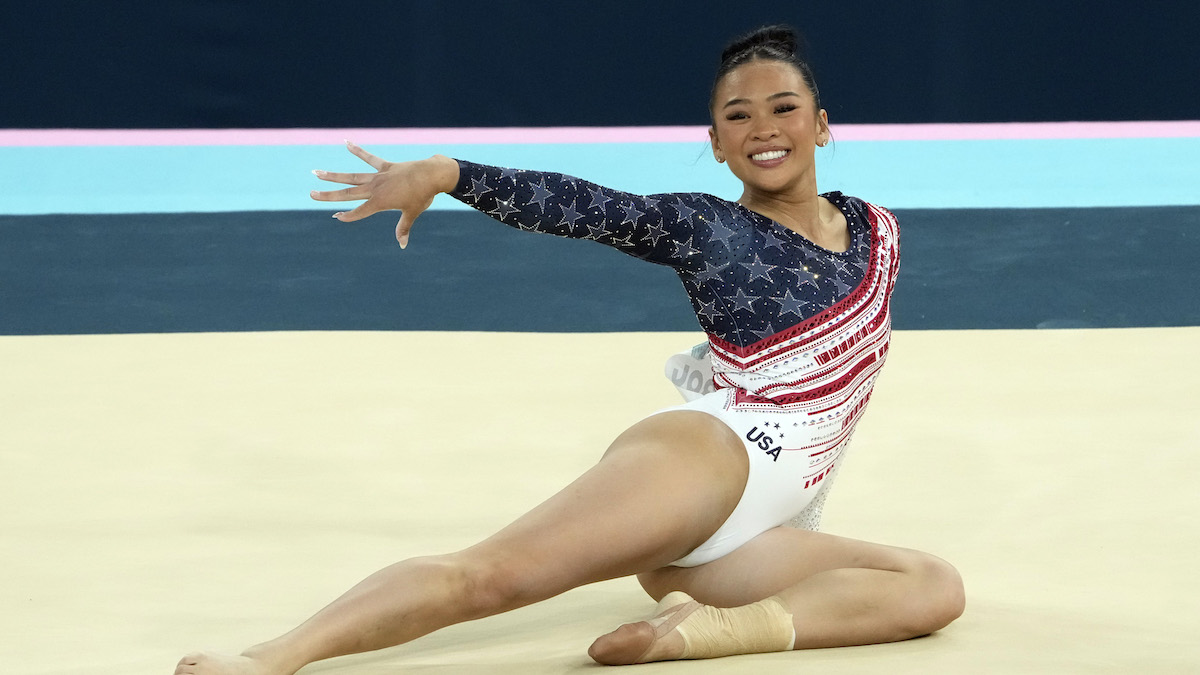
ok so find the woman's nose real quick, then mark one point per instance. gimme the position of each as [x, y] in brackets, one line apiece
[764, 130]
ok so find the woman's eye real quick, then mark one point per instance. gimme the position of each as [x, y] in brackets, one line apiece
[736, 116]
[786, 107]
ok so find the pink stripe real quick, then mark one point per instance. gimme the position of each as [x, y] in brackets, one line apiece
[1013, 131]
[556, 135]
[465, 136]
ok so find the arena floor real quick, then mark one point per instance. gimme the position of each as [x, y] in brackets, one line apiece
[171, 492]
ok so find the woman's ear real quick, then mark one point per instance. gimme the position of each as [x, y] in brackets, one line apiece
[823, 133]
[718, 154]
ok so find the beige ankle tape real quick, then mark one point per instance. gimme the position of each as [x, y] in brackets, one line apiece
[763, 626]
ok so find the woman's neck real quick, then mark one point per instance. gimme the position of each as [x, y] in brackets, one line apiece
[798, 209]
[803, 212]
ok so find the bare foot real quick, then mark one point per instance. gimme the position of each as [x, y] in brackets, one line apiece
[645, 641]
[203, 663]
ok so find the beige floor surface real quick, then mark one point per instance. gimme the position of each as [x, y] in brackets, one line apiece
[164, 493]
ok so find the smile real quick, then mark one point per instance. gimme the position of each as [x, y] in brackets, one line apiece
[769, 155]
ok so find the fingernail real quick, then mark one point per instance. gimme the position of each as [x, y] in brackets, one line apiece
[318, 172]
[337, 216]
[312, 194]
[404, 241]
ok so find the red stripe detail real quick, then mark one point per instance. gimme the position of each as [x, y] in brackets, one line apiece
[868, 286]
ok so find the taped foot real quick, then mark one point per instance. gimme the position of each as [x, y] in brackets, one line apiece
[684, 629]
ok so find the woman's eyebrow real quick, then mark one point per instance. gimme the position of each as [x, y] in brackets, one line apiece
[772, 97]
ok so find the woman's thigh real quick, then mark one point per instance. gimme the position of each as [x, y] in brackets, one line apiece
[773, 561]
[662, 488]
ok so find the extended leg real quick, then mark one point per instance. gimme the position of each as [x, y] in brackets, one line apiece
[838, 591]
[662, 488]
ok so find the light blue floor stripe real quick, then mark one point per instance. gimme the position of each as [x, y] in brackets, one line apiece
[898, 174]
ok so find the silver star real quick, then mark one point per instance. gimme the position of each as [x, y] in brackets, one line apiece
[540, 194]
[710, 273]
[684, 249]
[478, 189]
[719, 231]
[743, 301]
[504, 208]
[570, 215]
[765, 333]
[759, 269]
[598, 199]
[656, 232]
[629, 213]
[708, 310]
[789, 304]
[773, 241]
[685, 211]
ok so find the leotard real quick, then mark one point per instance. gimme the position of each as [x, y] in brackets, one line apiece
[797, 332]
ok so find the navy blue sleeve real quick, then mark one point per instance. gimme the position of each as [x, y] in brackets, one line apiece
[658, 228]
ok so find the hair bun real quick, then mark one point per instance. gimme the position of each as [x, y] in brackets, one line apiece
[778, 38]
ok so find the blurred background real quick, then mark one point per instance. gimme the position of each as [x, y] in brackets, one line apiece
[225, 63]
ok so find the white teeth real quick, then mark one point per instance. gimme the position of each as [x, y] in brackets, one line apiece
[766, 156]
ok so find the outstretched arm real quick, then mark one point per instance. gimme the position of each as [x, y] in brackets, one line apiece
[665, 229]
[407, 186]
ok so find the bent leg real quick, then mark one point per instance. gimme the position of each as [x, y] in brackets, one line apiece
[662, 488]
[838, 591]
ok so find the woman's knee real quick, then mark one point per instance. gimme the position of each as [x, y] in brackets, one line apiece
[493, 584]
[940, 597]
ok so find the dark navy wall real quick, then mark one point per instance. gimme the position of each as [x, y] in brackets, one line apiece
[230, 63]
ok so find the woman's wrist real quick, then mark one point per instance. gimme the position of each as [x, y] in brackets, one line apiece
[444, 172]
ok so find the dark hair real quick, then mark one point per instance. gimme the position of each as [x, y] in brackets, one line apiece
[773, 43]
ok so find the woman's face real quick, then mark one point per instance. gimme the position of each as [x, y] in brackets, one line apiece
[766, 125]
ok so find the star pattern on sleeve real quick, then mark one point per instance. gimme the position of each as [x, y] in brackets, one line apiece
[731, 261]
[599, 199]
[631, 214]
[540, 195]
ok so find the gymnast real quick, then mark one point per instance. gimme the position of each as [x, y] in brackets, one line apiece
[713, 504]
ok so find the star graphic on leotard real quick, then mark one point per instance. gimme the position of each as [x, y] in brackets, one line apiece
[478, 189]
[624, 242]
[629, 213]
[510, 174]
[708, 310]
[710, 272]
[789, 304]
[842, 266]
[719, 231]
[655, 232]
[570, 215]
[764, 333]
[741, 300]
[843, 288]
[772, 241]
[540, 194]
[504, 208]
[597, 229]
[805, 277]
[683, 249]
[598, 199]
[759, 269]
[685, 212]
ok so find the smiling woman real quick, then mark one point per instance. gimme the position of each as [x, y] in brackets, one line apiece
[793, 289]
[767, 122]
